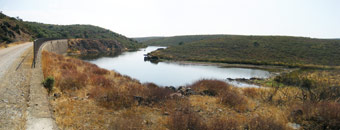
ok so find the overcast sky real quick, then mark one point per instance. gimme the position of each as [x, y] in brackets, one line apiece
[139, 18]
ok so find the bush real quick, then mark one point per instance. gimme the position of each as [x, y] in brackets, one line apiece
[49, 83]
[101, 81]
[265, 123]
[128, 121]
[111, 97]
[72, 80]
[292, 78]
[234, 99]
[251, 92]
[323, 115]
[186, 119]
[209, 87]
[156, 94]
[330, 115]
[225, 124]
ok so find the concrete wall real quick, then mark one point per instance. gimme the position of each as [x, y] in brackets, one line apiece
[39, 111]
[56, 46]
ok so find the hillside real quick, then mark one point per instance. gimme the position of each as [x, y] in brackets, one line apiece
[14, 29]
[274, 50]
[144, 39]
[176, 40]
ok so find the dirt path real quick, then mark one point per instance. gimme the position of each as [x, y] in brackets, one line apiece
[23, 100]
[9, 55]
[15, 69]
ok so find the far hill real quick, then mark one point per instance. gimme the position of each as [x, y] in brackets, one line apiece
[273, 50]
[144, 39]
[177, 40]
[15, 29]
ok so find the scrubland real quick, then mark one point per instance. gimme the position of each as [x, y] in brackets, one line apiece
[85, 96]
[256, 50]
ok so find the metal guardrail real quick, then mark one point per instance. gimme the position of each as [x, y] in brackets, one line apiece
[36, 46]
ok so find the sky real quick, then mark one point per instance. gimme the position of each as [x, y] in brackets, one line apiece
[141, 18]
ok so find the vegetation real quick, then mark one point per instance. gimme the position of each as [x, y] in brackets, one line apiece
[259, 50]
[95, 98]
[176, 40]
[15, 29]
[12, 30]
[48, 83]
[144, 39]
[94, 47]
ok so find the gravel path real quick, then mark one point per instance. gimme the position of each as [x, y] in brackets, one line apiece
[9, 55]
[15, 71]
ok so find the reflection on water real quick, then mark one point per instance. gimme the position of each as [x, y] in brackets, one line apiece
[171, 74]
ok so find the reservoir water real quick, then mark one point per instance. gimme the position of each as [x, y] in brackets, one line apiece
[172, 74]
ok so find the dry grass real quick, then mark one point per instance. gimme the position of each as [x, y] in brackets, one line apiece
[95, 98]
[323, 115]
[210, 87]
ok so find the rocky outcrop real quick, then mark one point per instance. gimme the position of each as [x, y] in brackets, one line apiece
[94, 47]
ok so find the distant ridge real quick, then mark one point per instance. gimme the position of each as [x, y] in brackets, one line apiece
[143, 39]
[264, 50]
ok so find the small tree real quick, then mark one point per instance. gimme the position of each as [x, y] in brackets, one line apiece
[49, 83]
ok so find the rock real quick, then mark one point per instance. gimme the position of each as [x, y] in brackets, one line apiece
[56, 95]
[230, 79]
[294, 125]
[185, 91]
[189, 91]
[254, 78]
[297, 113]
[171, 88]
[138, 99]
[166, 113]
[208, 92]
[175, 95]
[241, 79]
[219, 110]
[179, 88]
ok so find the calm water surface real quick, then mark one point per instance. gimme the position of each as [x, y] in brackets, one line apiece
[171, 74]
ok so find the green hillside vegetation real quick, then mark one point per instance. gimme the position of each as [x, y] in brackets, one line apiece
[178, 40]
[264, 50]
[12, 29]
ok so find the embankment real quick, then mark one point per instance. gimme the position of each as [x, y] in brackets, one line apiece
[39, 112]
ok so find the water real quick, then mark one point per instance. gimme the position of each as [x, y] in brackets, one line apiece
[171, 74]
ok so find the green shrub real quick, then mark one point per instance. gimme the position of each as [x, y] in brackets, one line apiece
[49, 83]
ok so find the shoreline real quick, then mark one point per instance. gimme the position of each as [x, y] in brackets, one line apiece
[270, 68]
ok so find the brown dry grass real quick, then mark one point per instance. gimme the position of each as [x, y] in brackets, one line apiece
[95, 98]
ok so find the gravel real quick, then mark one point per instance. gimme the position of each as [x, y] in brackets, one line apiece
[9, 55]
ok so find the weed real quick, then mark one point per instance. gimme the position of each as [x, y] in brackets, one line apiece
[49, 83]
[234, 99]
[265, 123]
[225, 123]
[186, 119]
